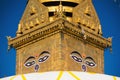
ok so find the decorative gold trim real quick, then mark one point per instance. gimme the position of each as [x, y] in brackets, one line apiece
[60, 75]
[73, 75]
[66, 8]
[54, 27]
[23, 77]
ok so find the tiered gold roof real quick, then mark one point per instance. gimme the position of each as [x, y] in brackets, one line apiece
[80, 12]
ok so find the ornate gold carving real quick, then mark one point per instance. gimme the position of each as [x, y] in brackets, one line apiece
[68, 28]
[31, 24]
[86, 16]
[27, 26]
[37, 21]
[87, 10]
[66, 8]
[34, 10]
[60, 12]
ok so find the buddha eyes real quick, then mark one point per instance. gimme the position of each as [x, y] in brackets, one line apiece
[78, 59]
[42, 59]
[29, 63]
[86, 61]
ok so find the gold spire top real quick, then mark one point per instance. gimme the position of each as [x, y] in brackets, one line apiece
[60, 2]
[60, 12]
[60, 9]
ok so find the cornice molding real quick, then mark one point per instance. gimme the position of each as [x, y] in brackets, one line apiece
[60, 25]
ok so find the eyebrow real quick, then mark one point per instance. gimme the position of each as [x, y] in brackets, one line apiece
[75, 52]
[31, 57]
[90, 58]
[44, 52]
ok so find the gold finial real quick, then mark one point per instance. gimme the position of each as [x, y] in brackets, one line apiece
[60, 9]
[8, 38]
[60, 12]
[60, 2]
[19, 31]
[110, 40]
[100, 30]
[19, 27]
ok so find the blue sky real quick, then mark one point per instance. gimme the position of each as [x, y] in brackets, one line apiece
[11, 12]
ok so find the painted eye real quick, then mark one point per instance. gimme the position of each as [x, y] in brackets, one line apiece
[30, 63]
[76, 58]
[43, 58]
[91, 64]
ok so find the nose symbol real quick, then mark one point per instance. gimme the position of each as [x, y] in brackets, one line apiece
[36, 67]
[84, 68]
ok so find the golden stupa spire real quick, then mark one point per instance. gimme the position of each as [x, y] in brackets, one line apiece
[61, 10]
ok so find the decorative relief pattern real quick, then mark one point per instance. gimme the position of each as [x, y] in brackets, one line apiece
[34, 15]
[68, 28]
[85, 14]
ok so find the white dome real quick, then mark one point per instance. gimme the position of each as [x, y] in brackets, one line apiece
[62, 75]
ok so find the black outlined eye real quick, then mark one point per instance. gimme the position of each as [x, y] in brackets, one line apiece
[89, 63]
[44, 56]
[43, 59]
[76, 58]
[29, 63]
